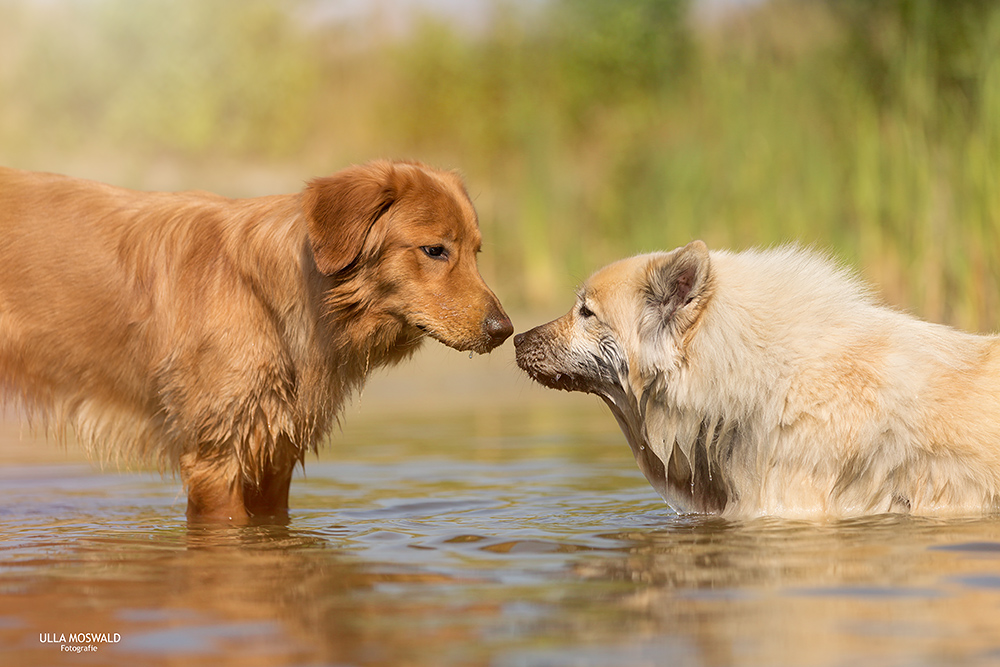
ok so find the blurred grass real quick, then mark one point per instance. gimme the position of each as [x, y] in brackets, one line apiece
[587, 130]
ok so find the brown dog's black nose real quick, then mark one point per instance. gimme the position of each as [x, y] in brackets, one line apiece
[498, 327]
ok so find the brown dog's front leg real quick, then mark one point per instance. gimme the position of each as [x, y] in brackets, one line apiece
[217, 492]
[269, 498]
[213, 492]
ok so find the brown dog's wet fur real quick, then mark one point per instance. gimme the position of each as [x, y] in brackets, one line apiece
[222, 336]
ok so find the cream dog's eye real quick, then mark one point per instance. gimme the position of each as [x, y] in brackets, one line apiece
[586, 312]
[435, 251]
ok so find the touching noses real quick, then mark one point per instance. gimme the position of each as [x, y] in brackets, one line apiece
[498, 327]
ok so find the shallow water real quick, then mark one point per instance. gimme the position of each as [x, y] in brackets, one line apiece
[488, 523]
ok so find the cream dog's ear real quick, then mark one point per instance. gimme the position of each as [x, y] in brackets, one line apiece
[676, 288]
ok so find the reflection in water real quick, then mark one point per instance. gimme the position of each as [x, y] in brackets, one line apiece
[885, 590]
[240, 596]
[522, 536]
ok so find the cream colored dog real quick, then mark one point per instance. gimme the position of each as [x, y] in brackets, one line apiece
[770, 382]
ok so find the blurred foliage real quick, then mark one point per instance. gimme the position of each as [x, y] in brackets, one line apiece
[158, 75]
[586, 129]
[916, 54]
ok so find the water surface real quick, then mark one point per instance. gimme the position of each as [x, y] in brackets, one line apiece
[465, 517]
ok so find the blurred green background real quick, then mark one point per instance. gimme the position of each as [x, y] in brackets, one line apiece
[586, 129]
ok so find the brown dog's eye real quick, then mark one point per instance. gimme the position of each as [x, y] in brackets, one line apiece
[435, 251]
[586, 312]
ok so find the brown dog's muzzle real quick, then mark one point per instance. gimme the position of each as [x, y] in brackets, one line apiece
[480, 334]
[497, 327]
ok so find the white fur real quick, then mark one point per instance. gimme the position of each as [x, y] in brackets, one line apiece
[800, 395]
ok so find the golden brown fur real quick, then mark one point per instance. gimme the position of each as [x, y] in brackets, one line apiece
[223, 335]
[771, 383]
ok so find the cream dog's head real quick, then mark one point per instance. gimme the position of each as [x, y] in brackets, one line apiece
[632, 321]
[627, 334]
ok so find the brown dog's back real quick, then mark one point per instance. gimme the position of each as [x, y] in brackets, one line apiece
[106, 295]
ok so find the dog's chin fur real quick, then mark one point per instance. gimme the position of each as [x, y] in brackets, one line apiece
[772, 383]
[223, 337]
[478, 345]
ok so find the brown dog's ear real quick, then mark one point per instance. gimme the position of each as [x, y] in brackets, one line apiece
[342, 208]
[677, 286]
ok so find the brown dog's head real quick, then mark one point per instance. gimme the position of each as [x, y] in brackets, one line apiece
[400, 240]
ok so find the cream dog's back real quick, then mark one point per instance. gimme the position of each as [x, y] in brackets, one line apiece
[771, 382]
[863, 408]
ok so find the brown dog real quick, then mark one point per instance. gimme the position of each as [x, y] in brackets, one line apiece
[223, 336]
